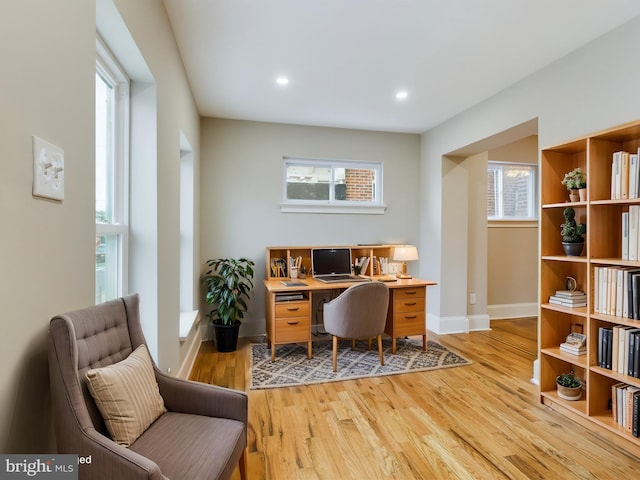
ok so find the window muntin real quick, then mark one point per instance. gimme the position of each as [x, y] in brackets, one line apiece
[511, 191]
[332, 182]
[111, 162]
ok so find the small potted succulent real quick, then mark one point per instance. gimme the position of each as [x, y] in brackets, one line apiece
[572, 233]
[576, 183]
[569, 386]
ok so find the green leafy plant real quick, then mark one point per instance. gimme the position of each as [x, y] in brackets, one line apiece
[568, 380]
[571, 231]
[575, 179]
[228, 286]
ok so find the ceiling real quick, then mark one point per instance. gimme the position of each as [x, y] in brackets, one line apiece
[347, 59]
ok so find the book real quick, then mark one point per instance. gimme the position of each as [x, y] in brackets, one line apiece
[564, 347]
[616, 180]
[557, 301]
[634, 218]
[292, 283]
[633, 175]
[624, 176]
[625, 236]
[570, 293]
[580, 299]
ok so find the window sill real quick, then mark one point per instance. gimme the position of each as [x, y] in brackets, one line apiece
[187, 321]
[339, 209]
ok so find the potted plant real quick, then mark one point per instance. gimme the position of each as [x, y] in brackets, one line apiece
[576, 183]
[228, 285]
[569, 386]
[572, 233]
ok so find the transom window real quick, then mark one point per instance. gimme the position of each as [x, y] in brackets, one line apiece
[340, 186]
[511, 191]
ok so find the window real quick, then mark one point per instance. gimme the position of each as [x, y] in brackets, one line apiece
[112, 140]
[511, 191]
[339, 186]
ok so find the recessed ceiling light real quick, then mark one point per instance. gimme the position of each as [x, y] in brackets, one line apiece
[402, 94]
[282, 81]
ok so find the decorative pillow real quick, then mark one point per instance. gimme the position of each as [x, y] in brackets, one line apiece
[127, 396]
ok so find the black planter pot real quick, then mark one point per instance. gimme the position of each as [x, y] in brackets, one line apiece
[573, 249]
[227, 336]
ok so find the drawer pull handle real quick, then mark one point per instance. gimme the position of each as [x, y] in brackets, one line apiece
[293, 323]
[409, 304]
[410, 317]
[410, 292]
[293, 309]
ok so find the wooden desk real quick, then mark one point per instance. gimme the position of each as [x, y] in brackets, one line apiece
[290, 321]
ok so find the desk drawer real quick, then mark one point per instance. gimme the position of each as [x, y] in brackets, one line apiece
[415, 304]
[409, 323]
[407, 293]
[292, 309]
[293, 329]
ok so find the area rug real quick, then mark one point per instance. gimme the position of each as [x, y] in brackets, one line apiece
[293, 368]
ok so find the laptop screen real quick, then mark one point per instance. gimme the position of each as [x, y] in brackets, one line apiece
[326, 261]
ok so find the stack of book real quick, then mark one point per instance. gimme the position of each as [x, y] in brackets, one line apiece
[569, 298]
[625, 407]
[575, 344]
[625, 175]
[619, 349]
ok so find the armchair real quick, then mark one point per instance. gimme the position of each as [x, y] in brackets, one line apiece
[202, 434]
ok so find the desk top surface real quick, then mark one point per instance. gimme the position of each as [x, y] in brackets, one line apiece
[310, 283]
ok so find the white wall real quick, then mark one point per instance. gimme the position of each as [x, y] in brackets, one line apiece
[47, 248]
[241, 190]
[590, 89]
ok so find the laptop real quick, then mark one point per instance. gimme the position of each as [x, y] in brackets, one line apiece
[333, 265]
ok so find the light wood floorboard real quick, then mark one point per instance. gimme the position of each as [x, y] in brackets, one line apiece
[482, 421]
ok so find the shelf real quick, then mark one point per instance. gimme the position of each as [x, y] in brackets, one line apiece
[579, 406]
[579, 360]
[582, 311]
[603, 248]
[618, 377]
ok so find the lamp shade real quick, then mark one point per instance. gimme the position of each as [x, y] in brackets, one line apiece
[405, 253]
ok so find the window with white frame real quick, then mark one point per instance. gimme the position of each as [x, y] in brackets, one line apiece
[332, 185]
[112, 146]
[511, 191]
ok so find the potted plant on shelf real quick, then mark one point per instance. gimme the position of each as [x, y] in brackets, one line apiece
[228, 285]
[576, 183]
[569, 386]
[572, 233]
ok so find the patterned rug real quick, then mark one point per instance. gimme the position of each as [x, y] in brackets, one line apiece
[292, 367]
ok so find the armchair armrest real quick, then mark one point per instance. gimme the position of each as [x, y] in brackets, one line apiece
[185, 396]
[110, 460]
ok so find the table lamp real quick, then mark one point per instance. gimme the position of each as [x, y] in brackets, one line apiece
[404, 254]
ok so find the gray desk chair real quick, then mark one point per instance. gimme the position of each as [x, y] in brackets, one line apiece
[201, 435]
[360, 312]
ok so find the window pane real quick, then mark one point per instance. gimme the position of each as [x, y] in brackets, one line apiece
[308, 182]
[358, 185]
[104, 151]
[511, 191]
[107, 262]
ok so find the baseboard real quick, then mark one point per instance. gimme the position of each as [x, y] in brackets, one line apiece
[447, 325]
[513, 310]
[479, 322]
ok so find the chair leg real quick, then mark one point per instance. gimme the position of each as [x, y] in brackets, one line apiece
[243, 465]
[369, 346]
[380, 350]
[335, 353]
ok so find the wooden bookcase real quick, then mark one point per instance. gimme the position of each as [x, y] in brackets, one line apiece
[603, 248]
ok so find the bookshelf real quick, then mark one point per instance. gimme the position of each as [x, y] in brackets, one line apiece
[603, 251]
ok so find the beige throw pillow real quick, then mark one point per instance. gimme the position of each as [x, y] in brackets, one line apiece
[127, 396]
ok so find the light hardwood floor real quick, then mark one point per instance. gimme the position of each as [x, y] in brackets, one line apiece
[482, 421]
